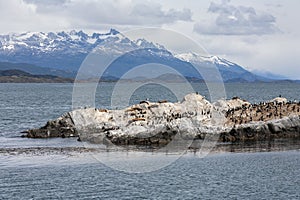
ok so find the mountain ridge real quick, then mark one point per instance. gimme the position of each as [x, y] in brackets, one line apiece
[62, 53]
[19, 76]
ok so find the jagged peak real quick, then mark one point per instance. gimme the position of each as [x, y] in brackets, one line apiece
[143, 43]
[195, 57]
[60, 33]
[188, 57]
[114, 31]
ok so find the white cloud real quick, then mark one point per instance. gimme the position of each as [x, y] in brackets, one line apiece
[237, 20]
[19, 16]
[116, 12]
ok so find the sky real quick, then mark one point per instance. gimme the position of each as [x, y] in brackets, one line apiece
[260, 35]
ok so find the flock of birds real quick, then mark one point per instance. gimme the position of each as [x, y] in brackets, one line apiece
[263, 111]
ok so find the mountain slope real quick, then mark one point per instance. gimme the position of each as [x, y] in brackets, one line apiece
[229, 71]
[269, 75]
[36, 70]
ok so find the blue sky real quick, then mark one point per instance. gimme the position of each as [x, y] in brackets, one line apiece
[259, 34]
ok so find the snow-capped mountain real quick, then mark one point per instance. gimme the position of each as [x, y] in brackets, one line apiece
[52, 42]
[67, 50]
[64, 50]
[221, 63]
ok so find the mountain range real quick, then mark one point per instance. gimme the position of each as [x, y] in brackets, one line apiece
[62, 53]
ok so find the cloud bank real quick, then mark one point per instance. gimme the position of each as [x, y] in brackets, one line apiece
[236, 20]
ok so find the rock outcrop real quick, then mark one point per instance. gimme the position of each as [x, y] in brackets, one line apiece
[157, 123]
[287, 127]
[60, 127]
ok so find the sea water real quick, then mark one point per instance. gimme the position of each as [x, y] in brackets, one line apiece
[71, 175]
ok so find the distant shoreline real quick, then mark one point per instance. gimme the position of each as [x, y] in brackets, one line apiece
[33, 80]
[20, 76]
[12, 79]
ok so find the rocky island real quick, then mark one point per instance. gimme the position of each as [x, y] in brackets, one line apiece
[194, 118]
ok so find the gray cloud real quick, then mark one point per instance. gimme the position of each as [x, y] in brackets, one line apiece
[47, 7]
[157, 15]
[274, 5]
[237, 20]
[43, 2]
[116, 12]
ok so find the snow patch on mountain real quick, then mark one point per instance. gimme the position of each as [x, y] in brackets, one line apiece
[194, 57]
[188, 57]
[217, 60]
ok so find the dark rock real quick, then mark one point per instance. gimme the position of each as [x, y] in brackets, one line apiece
[61, 127]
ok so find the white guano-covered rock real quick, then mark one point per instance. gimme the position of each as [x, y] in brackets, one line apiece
[148, 119]
[234, 103]
[278, 100]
